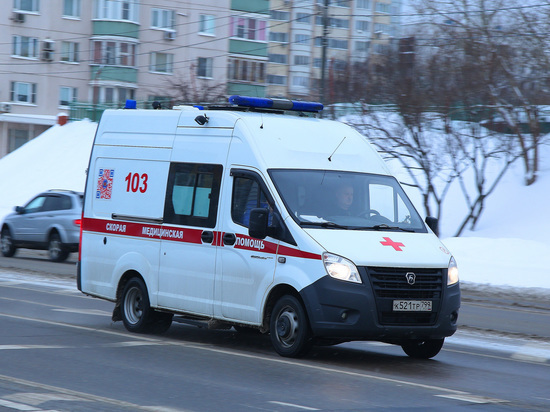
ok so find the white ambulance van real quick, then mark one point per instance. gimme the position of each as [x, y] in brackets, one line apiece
[243, 215]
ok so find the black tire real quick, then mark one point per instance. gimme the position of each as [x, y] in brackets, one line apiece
[289, 328]
[160, 322]
[136, 312]
[423, 349]
[6, 243]
[56, 250]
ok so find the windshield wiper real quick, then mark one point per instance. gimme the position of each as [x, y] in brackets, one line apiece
[328, 225]
[383, 226]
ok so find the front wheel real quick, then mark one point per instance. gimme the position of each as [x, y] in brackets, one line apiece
[6, 243]
[289, 328]
[423, 349]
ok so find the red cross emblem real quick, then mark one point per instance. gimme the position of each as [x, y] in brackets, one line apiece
[396, 245]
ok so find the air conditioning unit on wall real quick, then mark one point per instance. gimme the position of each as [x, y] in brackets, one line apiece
[48, 50]
[5, 107]
[169, 35]
[18, 17]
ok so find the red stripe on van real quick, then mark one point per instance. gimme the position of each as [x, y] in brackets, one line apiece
[287, 251]
[186, 235]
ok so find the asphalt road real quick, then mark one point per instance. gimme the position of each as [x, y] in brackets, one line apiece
[505, 311]
[60, 351]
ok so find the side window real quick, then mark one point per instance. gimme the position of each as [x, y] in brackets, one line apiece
[35, 205]
[247, 195]
[192, 194]
[56, 203]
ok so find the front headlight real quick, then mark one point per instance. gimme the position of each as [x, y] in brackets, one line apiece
[452, 273]
[341, 268]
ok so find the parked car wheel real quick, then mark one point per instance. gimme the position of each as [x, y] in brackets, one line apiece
[6, 243]
[56, 251]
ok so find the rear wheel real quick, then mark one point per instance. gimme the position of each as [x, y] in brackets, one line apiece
[6, 243]
[289, 328]
[137, 315]
[423, 349]
[56, 251]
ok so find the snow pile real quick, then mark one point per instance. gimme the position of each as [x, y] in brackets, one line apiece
[510, 247]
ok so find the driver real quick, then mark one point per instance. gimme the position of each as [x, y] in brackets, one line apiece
[343, 199]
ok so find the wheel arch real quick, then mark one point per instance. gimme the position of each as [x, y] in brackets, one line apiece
[126, 276]
[274, 295]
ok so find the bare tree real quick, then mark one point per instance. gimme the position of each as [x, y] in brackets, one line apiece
[187, 88]
[501, 48]
[480, 150]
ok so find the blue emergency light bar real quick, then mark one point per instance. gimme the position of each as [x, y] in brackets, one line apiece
[281, 104]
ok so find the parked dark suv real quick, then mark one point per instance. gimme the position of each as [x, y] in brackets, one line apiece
[50, 221]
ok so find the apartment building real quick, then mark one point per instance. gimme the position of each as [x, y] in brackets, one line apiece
[248, 45]
[58, 55]
[81, 56]
[355, 31]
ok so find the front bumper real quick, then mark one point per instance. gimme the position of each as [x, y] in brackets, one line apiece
[350, 311]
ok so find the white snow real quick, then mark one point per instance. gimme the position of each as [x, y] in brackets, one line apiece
[510, 248]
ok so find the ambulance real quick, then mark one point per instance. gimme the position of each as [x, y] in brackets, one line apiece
[257, 214]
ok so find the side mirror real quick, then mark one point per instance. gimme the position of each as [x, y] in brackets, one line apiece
[433, 223]
[19, 209]
[257, 227]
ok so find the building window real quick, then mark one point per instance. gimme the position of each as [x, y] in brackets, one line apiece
[23, 92]
[162, 62]
[382, 7]
[69, 51]
[278, 58]
[207, 24]
[162, 19]
[278, 37]
[336, 23]
[279, 15]
[247, 28]
[340, 3]
[362, 25]
[67, 95]
[117, 10]
[301, 39]
[25, 46]
[276, 79]
[26, 5]
[204, 67]
[110, 95]
[303, 17]
[381, 28]
[361, 46]
[246, 70]
[338, 44]
[71, 8]
[17, 138]
[363, 4]
[300, 81]
[114, 53]
[301, 60]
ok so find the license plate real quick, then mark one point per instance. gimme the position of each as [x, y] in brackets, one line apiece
[412, 305]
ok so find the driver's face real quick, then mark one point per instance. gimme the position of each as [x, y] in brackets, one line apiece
[345, 197]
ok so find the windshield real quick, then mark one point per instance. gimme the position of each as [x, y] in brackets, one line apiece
[346, 200]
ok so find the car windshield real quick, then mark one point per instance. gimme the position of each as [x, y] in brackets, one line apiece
[346, 200]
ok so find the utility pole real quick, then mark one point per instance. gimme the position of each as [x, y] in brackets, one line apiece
[324, 44]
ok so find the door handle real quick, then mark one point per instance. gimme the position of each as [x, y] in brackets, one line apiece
[229, 239]
[207, 236]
